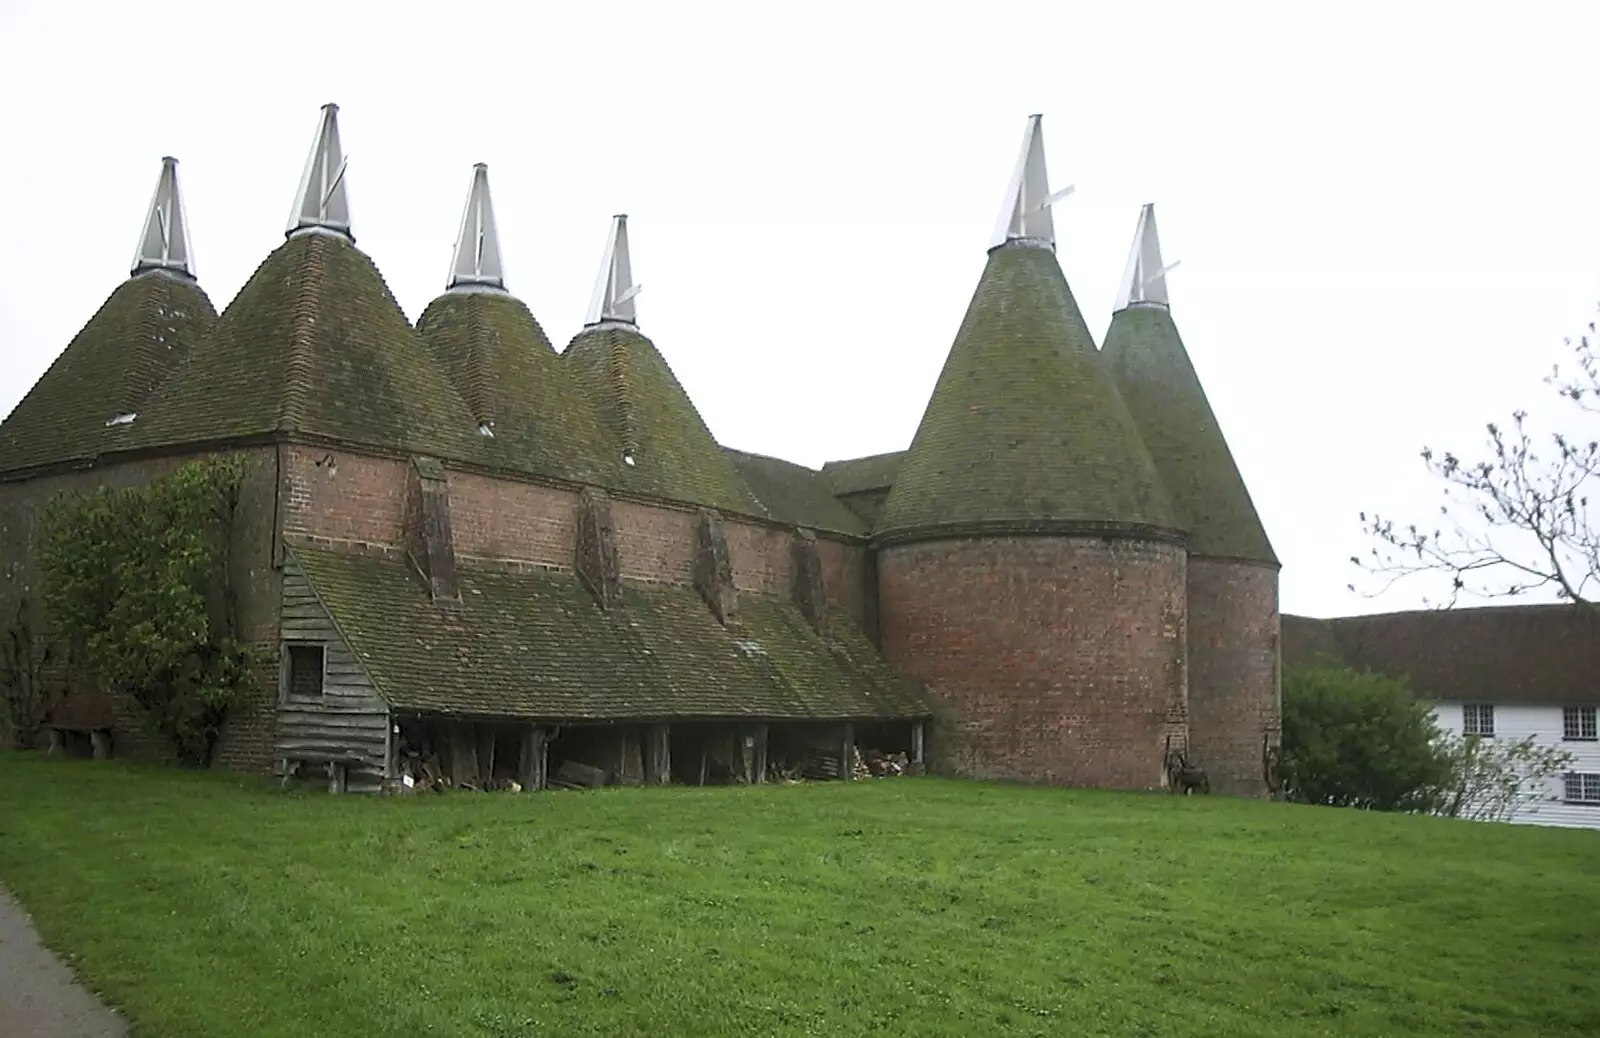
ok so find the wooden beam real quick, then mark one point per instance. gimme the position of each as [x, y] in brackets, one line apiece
[532, 765]
[658, 765]
[847, 755]
[100, 739]
[916, 742]
[463, 755]
[760, 733]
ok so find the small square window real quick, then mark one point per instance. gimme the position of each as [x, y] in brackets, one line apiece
[1582, 788]
[1578, 723]
[1477, 719]
[305, 671]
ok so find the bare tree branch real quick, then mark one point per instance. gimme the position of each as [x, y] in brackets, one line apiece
[1518, 521]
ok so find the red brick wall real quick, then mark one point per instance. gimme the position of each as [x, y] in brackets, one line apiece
[348, 497]
[654, 543]
[248, 734]
[762, 557]
[844, 573]
[1053, 660]
[1234, 686]
[505, 519]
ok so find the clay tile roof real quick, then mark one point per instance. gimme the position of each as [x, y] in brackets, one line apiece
[535, 646]
[1544, 654]
[859, 475]
[1025, 429]
[1146, 356]
[646, 415]
[314, 344]
[514, 384]
[141, 332]
[794, 494]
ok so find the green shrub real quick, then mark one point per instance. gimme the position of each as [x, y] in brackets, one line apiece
[1360, 740]
[135, 582]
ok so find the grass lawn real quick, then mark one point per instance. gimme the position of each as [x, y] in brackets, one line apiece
[208, 904]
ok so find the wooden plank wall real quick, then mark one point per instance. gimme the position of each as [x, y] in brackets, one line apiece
[350, 717]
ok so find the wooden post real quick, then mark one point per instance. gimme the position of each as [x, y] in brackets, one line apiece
[531, 766]
[58, 743]
[705, 753]
[916, 748]
[658, 768]
[100, 739]
[485, 735]
[745, 754]
[463, 756]
[760, 733]
[847, 754]
[336, 773]
[630, 769]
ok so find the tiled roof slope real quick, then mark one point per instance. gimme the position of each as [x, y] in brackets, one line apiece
[1544, 654]
[139, 334]
[644, 410]
[314, 344]
[1306, 640]
[1025, 429]
[1157, 381]
[535, 646]
[858, 475]
[794, 494]
[502, 363]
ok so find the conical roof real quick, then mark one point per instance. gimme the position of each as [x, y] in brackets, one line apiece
[659, 442]
[1146, 356]
[528, 411]
[653, 435]
[90, 400]
[523, 400]
[314, 344]
[1025, 430]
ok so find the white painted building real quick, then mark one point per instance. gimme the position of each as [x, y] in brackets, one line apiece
[1501, 672]
[1572, 799]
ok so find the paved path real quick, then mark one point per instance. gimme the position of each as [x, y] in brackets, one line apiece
[39, 996]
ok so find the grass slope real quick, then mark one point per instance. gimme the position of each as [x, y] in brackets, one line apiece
[210, 904]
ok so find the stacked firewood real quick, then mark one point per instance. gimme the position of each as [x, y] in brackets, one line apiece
[881, 765]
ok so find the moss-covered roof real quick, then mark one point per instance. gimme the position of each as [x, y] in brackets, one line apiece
[139, 334]
[1146, 356]
[534, 645]
[794, 494]
[313, 344]
[645, 413]
[1025, 429]
[860, 475]
[1539, 654]
[500, 360]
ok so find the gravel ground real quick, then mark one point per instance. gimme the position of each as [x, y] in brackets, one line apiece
[39, 996]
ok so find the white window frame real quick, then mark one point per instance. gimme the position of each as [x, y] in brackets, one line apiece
[1578, 724]
[1579, 787]
[1473, 716]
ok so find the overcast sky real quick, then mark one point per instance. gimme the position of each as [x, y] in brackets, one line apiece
[1387, 223]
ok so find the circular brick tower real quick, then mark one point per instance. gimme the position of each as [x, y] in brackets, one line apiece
[1234, 704]
[1030, 571]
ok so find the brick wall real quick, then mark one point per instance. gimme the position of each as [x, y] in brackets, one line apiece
[845, 574]
[504, 519]
[247, 738]
[350, 497]
[1053, 660]
[1234, 686]
[344, 496]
